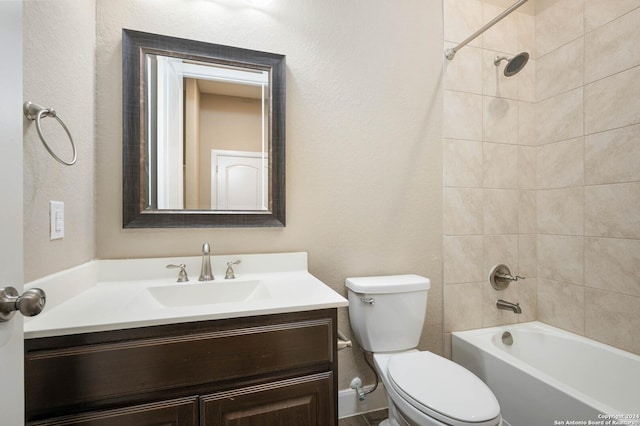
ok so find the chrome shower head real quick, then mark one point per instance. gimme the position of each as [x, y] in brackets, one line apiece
[514, 65]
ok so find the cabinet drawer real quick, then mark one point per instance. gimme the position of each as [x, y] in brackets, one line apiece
[82, 374]
[177, 412]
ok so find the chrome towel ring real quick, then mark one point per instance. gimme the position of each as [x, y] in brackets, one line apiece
[35, 112]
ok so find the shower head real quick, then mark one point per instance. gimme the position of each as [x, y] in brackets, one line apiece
[514, 65]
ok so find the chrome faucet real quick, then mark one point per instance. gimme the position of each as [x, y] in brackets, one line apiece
[205, 271]
[508, 306]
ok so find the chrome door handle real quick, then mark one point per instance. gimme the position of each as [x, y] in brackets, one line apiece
[31, 302]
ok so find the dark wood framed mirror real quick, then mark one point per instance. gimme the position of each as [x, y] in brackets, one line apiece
[203, 134]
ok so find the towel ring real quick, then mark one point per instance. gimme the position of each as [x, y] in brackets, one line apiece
[35, 112]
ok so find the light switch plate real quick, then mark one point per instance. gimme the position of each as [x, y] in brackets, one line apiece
[56, 219]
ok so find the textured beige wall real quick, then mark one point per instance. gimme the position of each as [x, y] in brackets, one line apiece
[364, 115]
[59, 70]
[230, 122]
[227, 123]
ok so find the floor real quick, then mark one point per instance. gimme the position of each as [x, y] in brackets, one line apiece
[368, 419]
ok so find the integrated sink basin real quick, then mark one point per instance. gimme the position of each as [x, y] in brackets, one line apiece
[209, 293]
[104, 295]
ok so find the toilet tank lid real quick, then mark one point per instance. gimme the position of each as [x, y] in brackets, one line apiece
[388, 284]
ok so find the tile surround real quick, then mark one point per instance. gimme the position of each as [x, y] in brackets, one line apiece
[499, 249]
[462, 19]
[561, 211]
[612, 210]
[463, 259]
[502, 178]
[500, 211]
[527, 123]
[560, 70]
[610, 318]
[574, 171]
[458, 105]
[560, 117]
[500, 165]
[493, 81]
[463, 312]
[607, 48]
[561, 258]
[462, 211]
[500, 120]
[612, 156]
[527, 212]
[527, 167]
[557, 23]
[612, 264]
[504, 35]
[560, 164]
[561, 305]
[598, 12]
[465, 73]
[612, 102]
[462, 163]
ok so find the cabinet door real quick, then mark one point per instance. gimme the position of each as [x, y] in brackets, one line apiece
[301, 401]
[177, 412]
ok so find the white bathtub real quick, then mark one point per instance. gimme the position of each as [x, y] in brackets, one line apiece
[549, 376]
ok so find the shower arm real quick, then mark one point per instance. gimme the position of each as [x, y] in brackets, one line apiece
[450, 53]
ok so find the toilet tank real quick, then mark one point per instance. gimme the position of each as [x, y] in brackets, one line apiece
[387, 312]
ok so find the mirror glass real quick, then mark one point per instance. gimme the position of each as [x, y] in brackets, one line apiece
[203, 134]
[207, 138]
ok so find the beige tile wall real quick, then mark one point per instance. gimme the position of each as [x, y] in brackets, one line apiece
[588, 180]
[541, 169]
[489, 166]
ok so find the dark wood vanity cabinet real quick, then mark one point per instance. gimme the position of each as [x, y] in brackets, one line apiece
[260, 371]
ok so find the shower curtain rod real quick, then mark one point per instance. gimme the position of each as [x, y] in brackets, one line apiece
[450, 53]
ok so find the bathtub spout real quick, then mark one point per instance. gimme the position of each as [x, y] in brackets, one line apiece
[508, 306]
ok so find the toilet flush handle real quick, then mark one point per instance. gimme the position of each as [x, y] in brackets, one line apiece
[370, 300]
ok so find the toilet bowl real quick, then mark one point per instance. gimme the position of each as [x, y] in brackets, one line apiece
[422, 388]
[428, 389]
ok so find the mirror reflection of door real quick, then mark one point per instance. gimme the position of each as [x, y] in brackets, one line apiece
[217, 108]
[169, 133]
[239, 180]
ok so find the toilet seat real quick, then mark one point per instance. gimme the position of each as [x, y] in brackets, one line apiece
[443, 389]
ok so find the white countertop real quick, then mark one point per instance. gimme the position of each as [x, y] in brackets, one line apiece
[116, 294]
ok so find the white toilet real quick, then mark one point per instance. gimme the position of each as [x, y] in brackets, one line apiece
[387, 314]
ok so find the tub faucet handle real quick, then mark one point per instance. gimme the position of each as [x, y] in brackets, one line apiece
[510, 277]
[500, 277]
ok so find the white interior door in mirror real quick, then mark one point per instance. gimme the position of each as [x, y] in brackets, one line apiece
[169, 132]
[239, 180]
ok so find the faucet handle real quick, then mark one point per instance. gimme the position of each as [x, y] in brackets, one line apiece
[500, 277]
[182, 275]
[230, 274]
